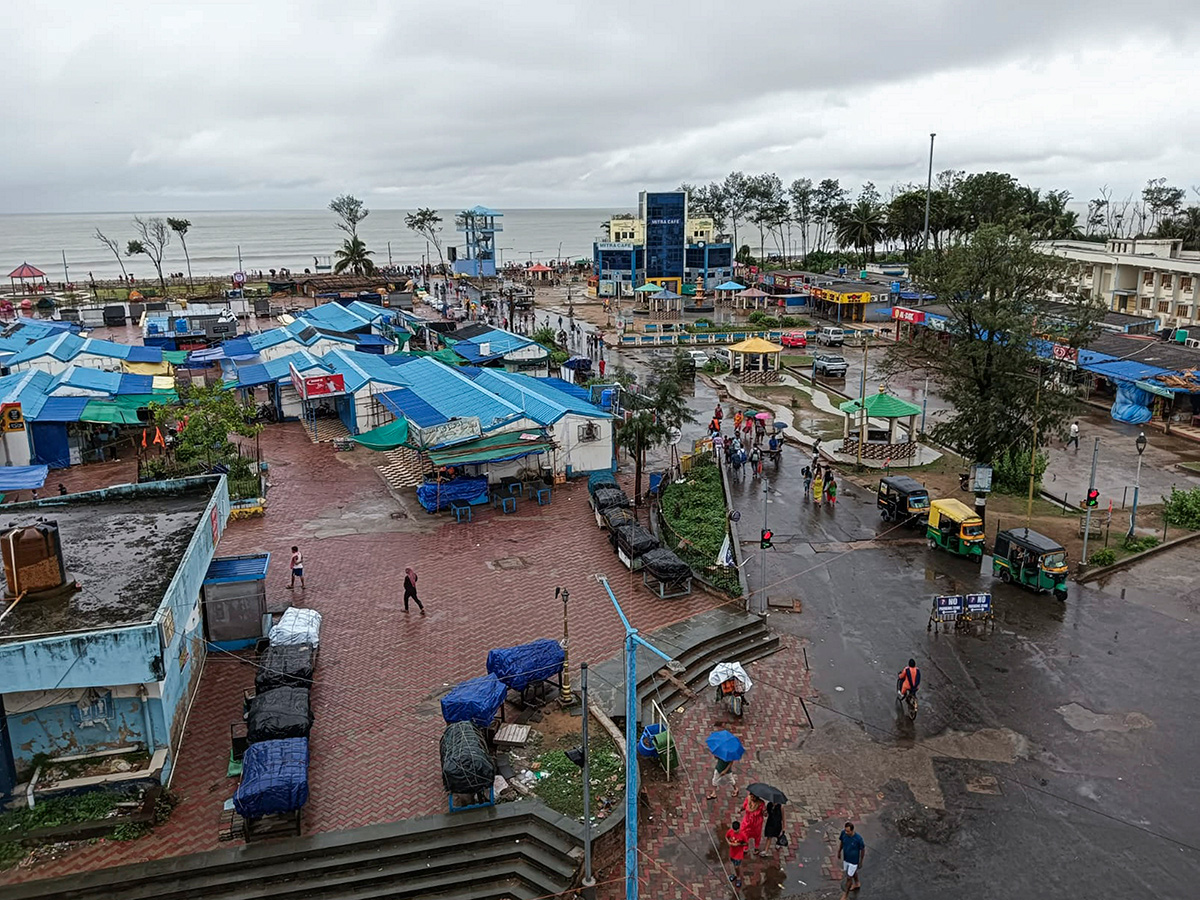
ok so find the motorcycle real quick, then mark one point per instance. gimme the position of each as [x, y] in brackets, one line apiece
[732, 684]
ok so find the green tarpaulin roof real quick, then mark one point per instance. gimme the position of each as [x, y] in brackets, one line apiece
[495, 448]
[386, 437]
[445, 355]
[882, 406]
[175, 357]
[122, 410]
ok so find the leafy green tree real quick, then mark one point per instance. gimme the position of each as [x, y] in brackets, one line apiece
[997, 289]
[801, 195]
[829, 202]
[1160, 200]
[428, 224]
[209, 415]
[351, 211]
[180, 227]
[353, 256]
[737, 193]
[153, 238]
[905, 215]
[662, 408]
[988, 198]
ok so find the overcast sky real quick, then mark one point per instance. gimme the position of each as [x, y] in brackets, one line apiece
[523, 103]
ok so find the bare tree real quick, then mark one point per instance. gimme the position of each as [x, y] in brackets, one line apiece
[154, 235]
[115, 248]
[180, 227]
[351, 211]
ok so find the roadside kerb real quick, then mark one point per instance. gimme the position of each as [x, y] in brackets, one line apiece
[1087, 575]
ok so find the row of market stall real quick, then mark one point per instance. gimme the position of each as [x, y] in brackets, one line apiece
[663, 571]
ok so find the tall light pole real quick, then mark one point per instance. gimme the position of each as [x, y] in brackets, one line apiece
[633, 640]
[589, 883]
[1140, 443]
[566, 697]
[928, 192]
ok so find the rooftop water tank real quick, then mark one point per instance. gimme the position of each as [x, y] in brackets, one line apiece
[33, 560]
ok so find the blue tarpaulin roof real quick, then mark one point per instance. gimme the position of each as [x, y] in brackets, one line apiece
[477, 701]
[145, 354]
[62, 409]
[520, 666]
[22, 478]
[1124, 369]
[403, 402]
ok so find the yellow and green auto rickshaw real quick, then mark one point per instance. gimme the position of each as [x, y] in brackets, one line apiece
[954, 526]
[1031, 560]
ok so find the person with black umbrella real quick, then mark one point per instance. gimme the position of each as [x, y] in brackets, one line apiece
[774, 799]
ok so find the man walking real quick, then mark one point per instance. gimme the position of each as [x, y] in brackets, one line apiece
[852, 852]
[1074, 437]
[297, 568]
[410, 590]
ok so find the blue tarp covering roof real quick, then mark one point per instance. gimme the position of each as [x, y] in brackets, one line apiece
[436, 497]
[22, 478]
[229, 569]
[1124, 369]
[520, 666]
[61, 409]
[274, 778]
[275, 370]
[453, 394]
[404, 402]
[145, 354]
[476, 701]
[498, 341]
[354, 316]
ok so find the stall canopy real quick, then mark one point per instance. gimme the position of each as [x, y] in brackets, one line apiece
[386, 437]
[494, 448]
[123, 410]
[22, 478]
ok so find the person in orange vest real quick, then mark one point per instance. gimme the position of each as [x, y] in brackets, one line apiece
[908, 680]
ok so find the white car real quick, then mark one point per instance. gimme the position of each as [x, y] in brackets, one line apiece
[699, 357]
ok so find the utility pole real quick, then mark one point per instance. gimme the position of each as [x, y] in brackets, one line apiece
[1037, 397]
[66, 276]
[862, 403]
[762, 557]
[589, 882]
[924, 405]
[928, 192]
[389, 254]
[1087, 521]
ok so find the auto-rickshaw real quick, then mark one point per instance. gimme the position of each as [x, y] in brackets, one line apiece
[902, 499]
[954, 526]
[1031, 560]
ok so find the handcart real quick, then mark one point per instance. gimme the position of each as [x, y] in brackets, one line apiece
[468, 769]
[666, 574]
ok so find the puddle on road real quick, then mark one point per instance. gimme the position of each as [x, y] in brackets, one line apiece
[1083, 719]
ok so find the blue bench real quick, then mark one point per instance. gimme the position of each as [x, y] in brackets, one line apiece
[459, 507]
[543, 496]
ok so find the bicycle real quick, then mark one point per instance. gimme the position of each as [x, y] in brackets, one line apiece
[907, 700]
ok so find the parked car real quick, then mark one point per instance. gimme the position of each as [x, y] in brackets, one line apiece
[722, 355]
[699, 357]
[794, 339]
[831, 336]
[831, 365]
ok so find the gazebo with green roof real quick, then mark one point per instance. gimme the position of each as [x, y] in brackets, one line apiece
[880, 443]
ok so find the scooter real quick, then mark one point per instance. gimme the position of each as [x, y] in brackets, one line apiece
[732, 684]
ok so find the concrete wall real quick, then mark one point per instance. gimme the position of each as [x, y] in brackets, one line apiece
[16, 447]
[579, 457]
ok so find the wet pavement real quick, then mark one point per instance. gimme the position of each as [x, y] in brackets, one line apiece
[1050, 754]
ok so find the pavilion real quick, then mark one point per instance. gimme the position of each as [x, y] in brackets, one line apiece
[538, 272]
[880, 444]
[755, 361]
[25, 272]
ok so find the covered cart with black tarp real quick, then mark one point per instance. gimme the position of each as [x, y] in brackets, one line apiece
[632, 541]
[468, 769]
[618, 516]
[528, 666]
[666, 574]
[285, 666]
[599, 480]
[478, 700]
[607, 498]
[274, 787]
[277, 714]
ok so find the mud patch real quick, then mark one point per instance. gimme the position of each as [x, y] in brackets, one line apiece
[983, 784]
[1083, 719]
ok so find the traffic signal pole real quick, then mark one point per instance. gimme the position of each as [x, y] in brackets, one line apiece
[1087, 522]
[762, 555]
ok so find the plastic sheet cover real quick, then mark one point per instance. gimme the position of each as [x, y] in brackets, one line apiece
[520, 666]
[609, 498]
[297, 626]
[285, 666]
[665, 565]
[477, 701]
[467, 767]
[633, 539]
[435, 497]
[282, 712]
[617, 516]
[274, 778]
[1132, 404]
[599, 480]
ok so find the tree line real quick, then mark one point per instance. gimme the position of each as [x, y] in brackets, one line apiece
[820, 216]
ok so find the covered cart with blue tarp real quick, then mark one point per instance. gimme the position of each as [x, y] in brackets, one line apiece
[528, 665]
[274, 786]
[436, 496]
[478, 700]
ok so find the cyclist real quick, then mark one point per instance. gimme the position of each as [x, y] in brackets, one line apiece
[908, 680]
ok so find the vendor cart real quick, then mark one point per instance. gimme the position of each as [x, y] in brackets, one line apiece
[666, 574]
[529, 668]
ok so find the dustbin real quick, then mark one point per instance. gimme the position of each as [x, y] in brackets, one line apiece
[648, 745]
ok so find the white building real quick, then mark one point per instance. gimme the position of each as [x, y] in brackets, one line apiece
[1151, 277]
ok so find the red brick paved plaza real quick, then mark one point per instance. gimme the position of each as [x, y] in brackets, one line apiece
[374, 743]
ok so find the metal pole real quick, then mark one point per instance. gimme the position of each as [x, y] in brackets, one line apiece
[589, 883]
[566, 697]
[924, 405]
[66, 276]
[389, 253]
[631, 768]
[762, 558]
[862, 403]
[1087, 521]
[239, 248]
[1137, 483]
[1033, 449]
[928, 193]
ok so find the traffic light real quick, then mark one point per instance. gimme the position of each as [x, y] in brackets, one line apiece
[764, 540]
[1093, 497]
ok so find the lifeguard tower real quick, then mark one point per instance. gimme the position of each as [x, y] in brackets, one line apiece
[480, 226]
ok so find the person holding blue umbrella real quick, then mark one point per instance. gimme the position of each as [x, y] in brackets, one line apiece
[727, 749]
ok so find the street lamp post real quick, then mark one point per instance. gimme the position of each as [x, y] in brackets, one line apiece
[633, 640]
[1140, 443]
[928, 194]
[566, 697]
[589, 883]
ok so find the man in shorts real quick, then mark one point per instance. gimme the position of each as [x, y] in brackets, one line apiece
[852, 852]
[297, 568]
[723, 774]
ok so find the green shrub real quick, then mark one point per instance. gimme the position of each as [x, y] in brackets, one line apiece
[694, 510]
[1105, 557]
[1010, 471]
[1182, 509]
[768, 321]
[1138, 544]
[794, 322]
[756, 317]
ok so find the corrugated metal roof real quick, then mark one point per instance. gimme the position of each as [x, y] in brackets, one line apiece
[60, 409]
[225, 569]
[405, 402]
[454, 395]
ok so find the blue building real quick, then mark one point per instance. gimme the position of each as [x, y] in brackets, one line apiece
[114, 664]
[480, 227]
[662, 244]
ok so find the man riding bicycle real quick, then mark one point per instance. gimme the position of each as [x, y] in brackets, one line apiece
[908, 680]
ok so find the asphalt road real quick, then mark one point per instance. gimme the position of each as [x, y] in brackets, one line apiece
[1097, 695]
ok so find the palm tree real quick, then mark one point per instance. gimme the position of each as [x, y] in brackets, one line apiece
[641, 432]
[354, 256]
[862, 227]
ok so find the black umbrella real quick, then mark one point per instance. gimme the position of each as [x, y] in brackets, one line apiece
[767, 793]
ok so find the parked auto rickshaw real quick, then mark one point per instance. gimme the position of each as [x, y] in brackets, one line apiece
[902, 499]
[954, 526]
[1032, 560]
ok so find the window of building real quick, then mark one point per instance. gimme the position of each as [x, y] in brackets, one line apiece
[1183, 311]
[1145, 303]
[1164, 306]
[1148, 279]
[1185, 283]
[1167, 281]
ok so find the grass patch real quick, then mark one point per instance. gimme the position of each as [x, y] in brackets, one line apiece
[560, 781]
[694, 510]
[796, 360]
[1193, 467]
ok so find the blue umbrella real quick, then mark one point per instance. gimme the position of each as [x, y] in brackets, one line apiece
[725, 746]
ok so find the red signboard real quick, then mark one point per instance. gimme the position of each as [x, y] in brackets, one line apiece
[903, 314]
[309, 386]
[1063, 353]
